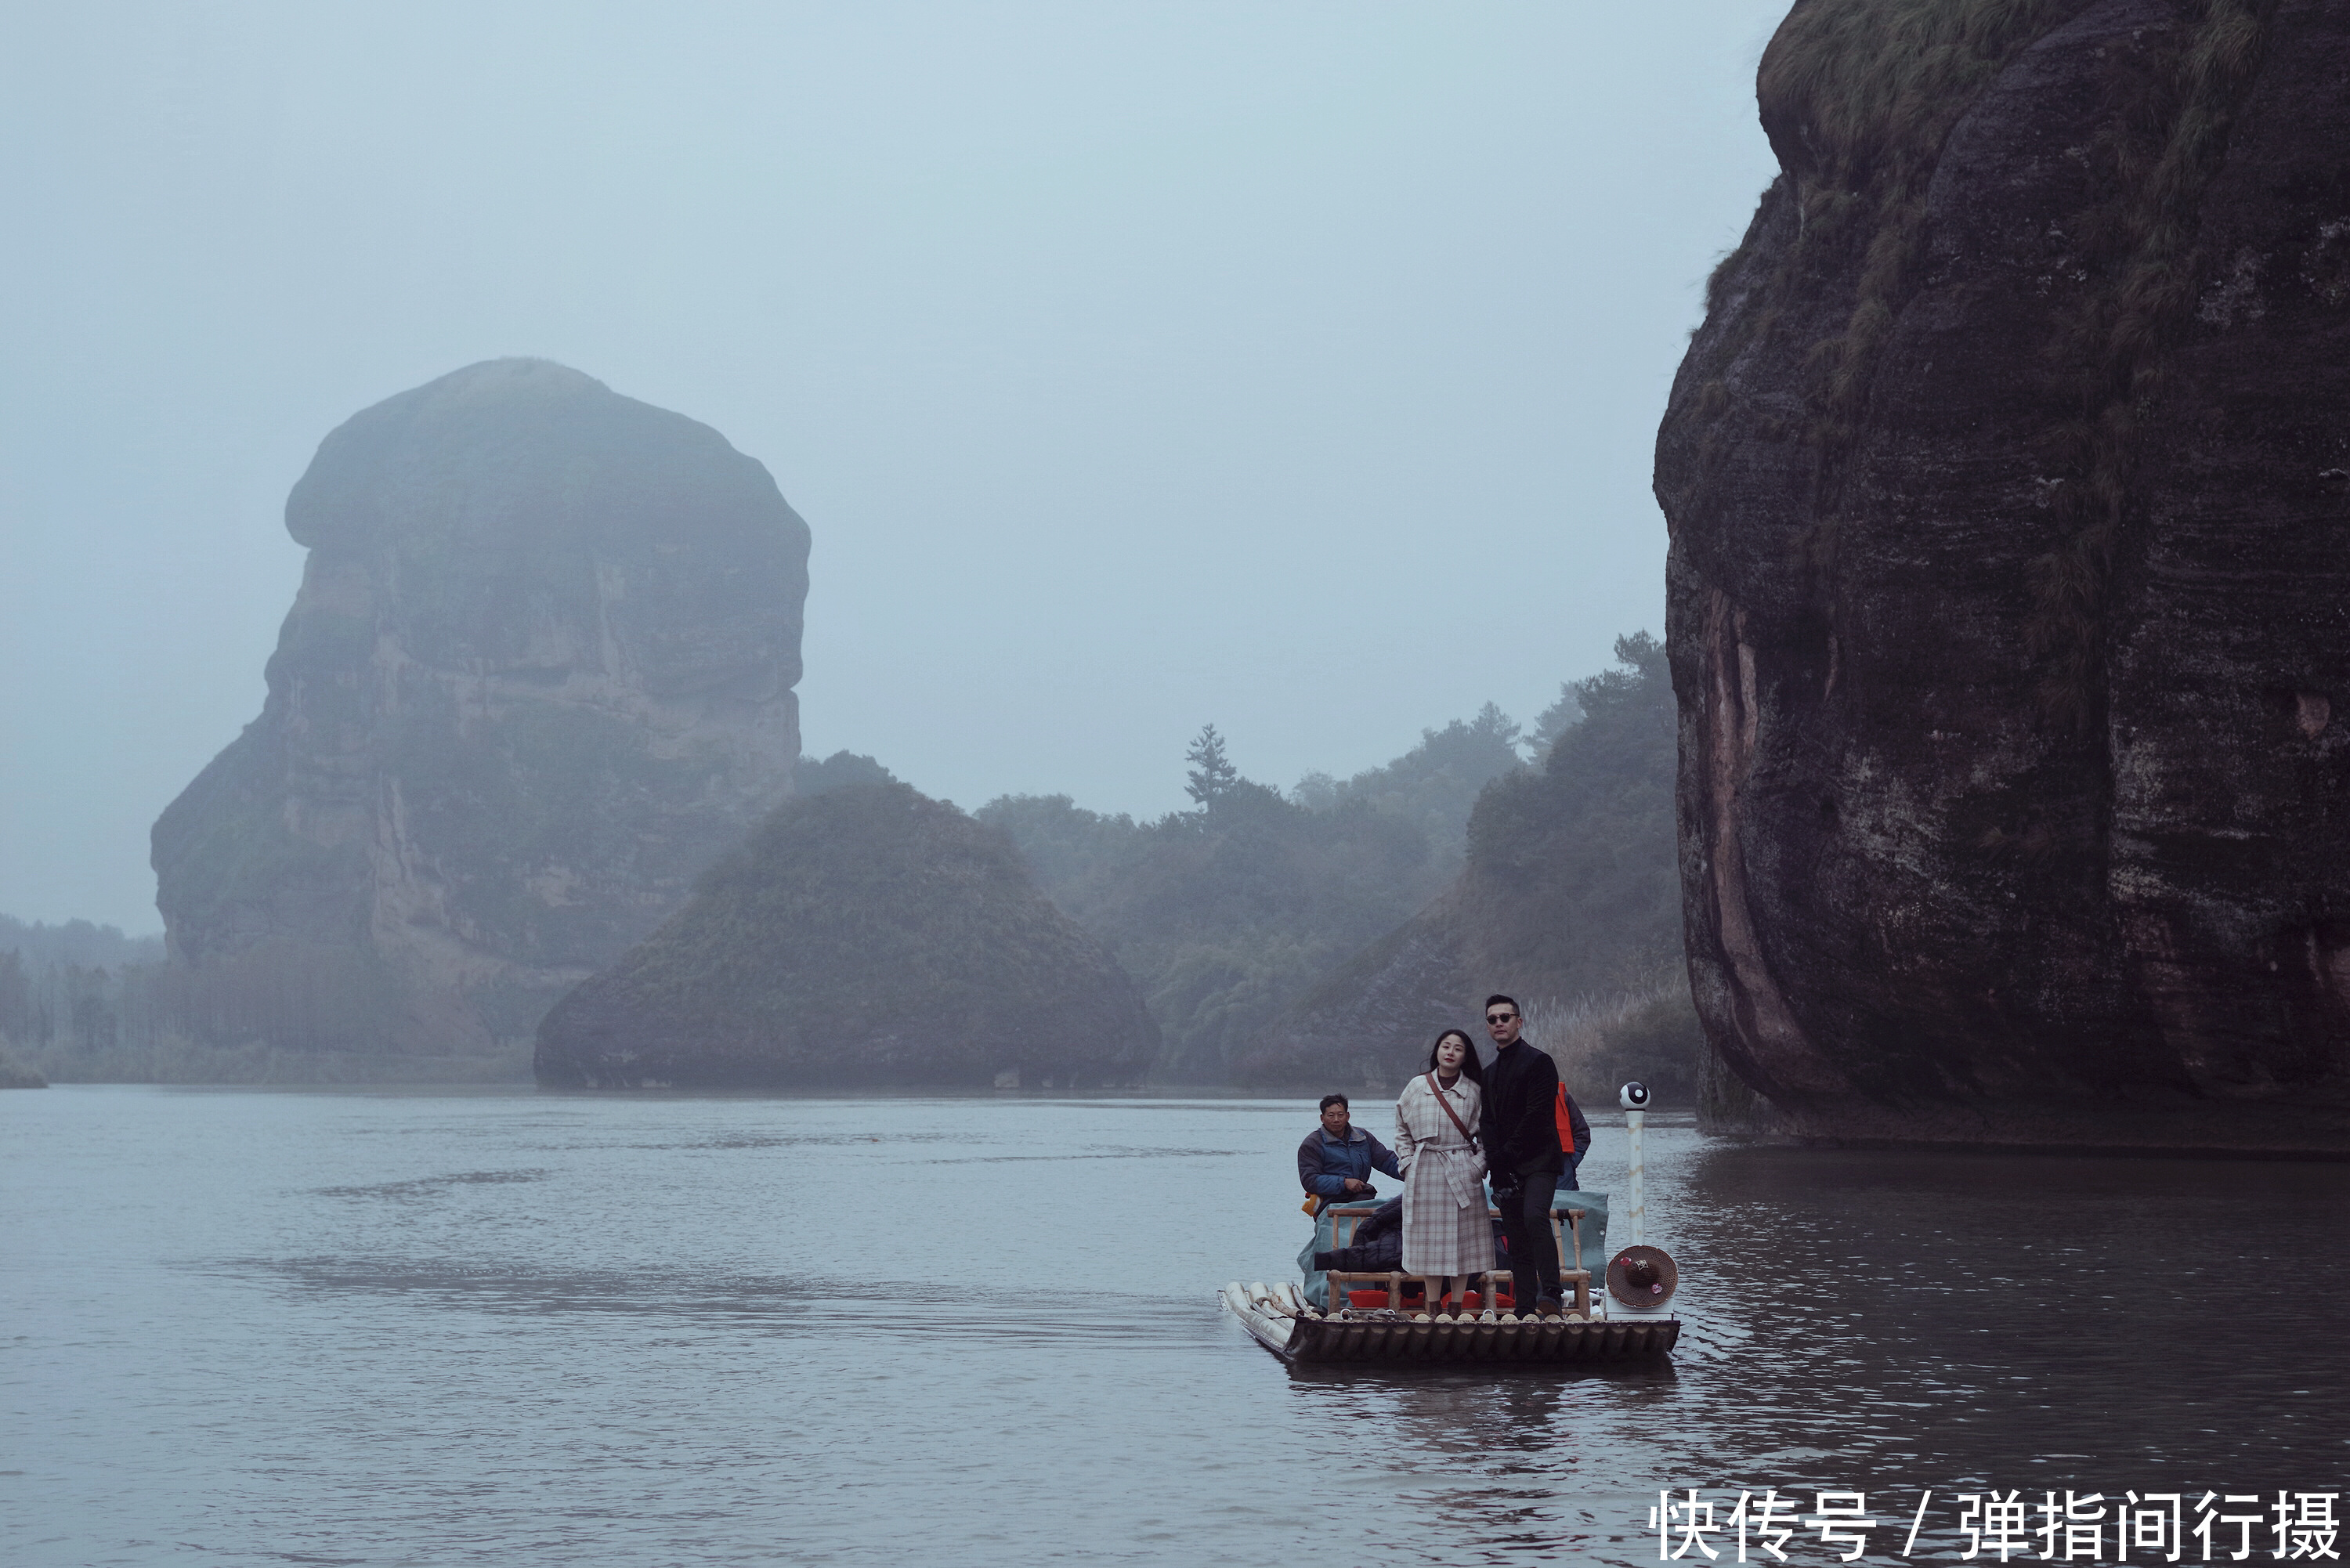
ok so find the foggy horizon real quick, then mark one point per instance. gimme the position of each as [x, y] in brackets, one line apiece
[1295, 372]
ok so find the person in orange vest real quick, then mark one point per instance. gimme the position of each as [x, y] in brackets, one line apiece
[1534, 1138]
[1573, 1138]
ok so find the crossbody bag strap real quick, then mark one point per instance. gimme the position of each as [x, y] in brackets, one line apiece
[1434, 1089]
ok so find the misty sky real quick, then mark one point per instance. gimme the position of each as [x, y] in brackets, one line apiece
[1292, 367]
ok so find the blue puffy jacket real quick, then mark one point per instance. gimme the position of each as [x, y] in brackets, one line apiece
[1323, 1164]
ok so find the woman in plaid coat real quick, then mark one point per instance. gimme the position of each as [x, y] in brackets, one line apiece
[1445, 1227]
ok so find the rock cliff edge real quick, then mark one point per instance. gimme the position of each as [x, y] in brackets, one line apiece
[537, 677]
[2009, 483]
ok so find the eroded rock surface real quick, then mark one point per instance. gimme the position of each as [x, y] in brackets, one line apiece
[868, 935]
[2008, 481]
[538, 675]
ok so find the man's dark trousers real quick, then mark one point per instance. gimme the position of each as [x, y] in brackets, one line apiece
[1533, 1250]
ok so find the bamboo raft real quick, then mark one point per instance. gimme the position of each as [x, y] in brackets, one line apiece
[1279, 1318]
[1283, 1323]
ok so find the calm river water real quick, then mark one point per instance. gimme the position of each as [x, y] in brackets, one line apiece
[418, 1328]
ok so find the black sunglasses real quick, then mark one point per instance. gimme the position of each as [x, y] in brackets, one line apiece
[1498, 1017]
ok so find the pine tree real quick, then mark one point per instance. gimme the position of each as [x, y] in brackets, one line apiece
[1492, 723]
[1212, 775]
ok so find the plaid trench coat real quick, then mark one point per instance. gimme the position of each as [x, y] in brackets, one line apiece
[1446, 1229]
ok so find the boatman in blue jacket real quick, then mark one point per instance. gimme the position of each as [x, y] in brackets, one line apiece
[1337, 1159]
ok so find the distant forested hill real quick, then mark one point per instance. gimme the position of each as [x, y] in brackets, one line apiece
[864, 934]
[1572, 877]
[1228, 913]
[84, 1002]
[63, 983]
[1569, 901]
[37, 946]
[1318, 936]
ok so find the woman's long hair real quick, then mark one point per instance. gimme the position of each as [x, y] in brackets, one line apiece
[1470, 1068]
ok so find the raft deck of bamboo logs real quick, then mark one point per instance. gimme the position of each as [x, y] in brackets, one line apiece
[1278, 1318]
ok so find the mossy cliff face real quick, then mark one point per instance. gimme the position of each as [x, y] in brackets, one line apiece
[2009, 481]
[537, 678]
[865, 936]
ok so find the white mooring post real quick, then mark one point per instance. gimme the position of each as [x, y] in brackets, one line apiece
[1634, 1098]
[1641, 1278]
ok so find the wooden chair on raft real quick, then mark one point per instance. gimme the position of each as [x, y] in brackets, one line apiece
[1396, 1288]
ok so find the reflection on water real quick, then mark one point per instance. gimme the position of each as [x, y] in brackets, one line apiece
[410, 1328]
[430, 1186]
[841, 1310]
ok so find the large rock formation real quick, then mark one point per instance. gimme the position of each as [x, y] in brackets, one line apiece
[2008, 481]
[538, 675]
[865, 936]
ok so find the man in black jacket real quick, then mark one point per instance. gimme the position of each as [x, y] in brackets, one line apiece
[1523, 1154]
